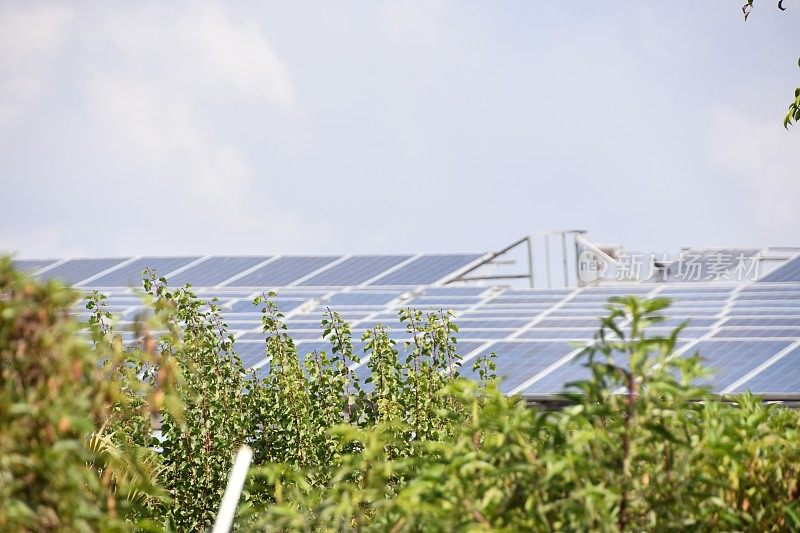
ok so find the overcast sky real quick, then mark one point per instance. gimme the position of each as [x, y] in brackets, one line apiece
[202, 127]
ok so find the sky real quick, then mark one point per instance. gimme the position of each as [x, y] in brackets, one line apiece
[132, 128]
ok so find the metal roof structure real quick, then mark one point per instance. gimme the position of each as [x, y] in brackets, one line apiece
[747, 329]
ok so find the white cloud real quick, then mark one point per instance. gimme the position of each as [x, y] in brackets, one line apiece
[414, 23]
[197, 49]
[762, 158]
[31, 34]
[147, 85]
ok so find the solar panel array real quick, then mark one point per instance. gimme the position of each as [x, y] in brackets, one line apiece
[748, 332]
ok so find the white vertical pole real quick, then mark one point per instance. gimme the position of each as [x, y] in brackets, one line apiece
[234, 489]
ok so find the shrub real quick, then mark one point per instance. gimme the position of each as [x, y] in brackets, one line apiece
[414, 447]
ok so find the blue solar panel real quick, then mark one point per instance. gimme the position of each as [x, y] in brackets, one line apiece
[730, 360]
[283, 271]
[485, 333]
[601, 296]
[694, 322]
[576, 313]
[668, 291]
[568, 323]
[755, 322]
[557, 294]
[789, 271]
[215, 270]
[765, 311]
[427, 269]
[131, 274]
[251, 352]
[694, 311]
[502, 323]
[284, 305]
[76, 270]
[31, 265]
[356, 270]
[767, 305]
[295, 335]
[759, 288]
[565, 333]
[362, 298]
[744, 333]
[500, 313]
[534, 299]
[443, 301]
[392, 324]
[770, 296]
[519, 361]
[454, 291]
[781, 377]
[556, 381]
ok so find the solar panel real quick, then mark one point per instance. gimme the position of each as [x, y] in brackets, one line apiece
[283, 271]
[706, 290]
[781, 377]
[427, 269]
[568, 323]
[551, 333]
[356, 270]
[489, 323]
[519, 361]
[555, 293]
[362, 298]
[215, 270]
[764, 311]
[745, 333]
[532, 299]
[485, 333]
[770, 296]
[500, 313]
[31, 265]
[731, 360]
[284, 305]
[130, 275]
[763, 288]
[251, 352]
[617, 290]
[556, 382]
[789, 271]
[76, 270]
[454, 291]
[755, 322]
[531, 330]
[444, 301]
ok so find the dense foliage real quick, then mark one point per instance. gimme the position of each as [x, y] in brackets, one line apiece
[414, 447]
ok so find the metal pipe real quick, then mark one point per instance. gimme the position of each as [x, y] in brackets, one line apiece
[547, 260]
[230, 499]
[530, 260]
[564, 258]
[578, 280]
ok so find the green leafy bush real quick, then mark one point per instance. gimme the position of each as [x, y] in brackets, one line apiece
[639, 445]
